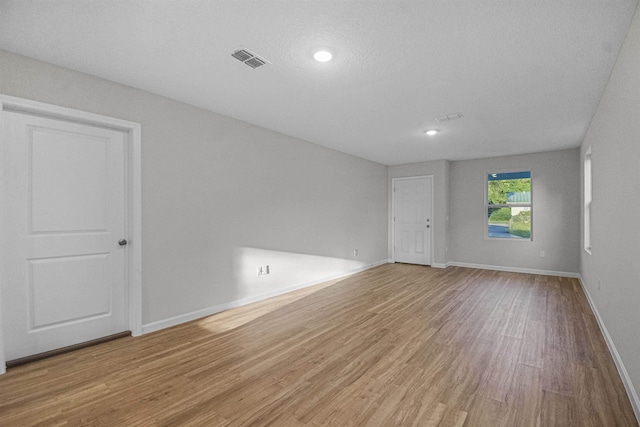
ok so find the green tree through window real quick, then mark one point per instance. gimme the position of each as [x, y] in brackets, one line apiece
[509, 205]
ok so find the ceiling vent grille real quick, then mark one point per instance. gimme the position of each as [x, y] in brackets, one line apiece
[255, 62]
[449, 117]
[249, 58]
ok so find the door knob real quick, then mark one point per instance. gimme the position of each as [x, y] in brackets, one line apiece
[122, 242]
[427, 225]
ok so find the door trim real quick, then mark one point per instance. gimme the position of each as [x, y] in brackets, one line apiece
[134, 193]
[393, 215]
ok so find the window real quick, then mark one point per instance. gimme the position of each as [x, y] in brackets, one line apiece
[587, 200]
[509, 205]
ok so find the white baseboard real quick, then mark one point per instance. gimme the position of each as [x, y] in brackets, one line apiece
[514, 269]
[208, 311]
[439, 265]
[622, 370]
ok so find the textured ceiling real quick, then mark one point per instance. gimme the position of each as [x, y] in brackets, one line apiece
[526, 75]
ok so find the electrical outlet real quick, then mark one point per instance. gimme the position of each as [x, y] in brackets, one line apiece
[542, 254]
[263, 269]
[355, 252]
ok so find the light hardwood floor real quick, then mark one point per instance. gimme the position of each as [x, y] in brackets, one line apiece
[397, 345]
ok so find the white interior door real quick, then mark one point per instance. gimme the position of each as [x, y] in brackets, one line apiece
[64, 273]
[412, 222]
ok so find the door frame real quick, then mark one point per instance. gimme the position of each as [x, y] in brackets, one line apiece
[393, 215]
[133, 181]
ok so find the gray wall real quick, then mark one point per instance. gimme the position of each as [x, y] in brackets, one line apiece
[221, 197]
[556, 207]
[440, 171]
[614, 138]
[459, 215]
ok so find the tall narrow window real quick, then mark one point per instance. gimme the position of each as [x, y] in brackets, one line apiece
[588, 193]
[509, 205]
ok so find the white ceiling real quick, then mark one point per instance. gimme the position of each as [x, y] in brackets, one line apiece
[527, 75]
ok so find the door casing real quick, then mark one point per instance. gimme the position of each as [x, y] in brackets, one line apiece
[133, 187]
[430, 213]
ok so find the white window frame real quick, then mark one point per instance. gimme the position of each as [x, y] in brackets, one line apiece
[588, 197]
[510, 205]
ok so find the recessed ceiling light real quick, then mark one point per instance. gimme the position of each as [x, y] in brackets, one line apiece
[323, 56]
[431, 132]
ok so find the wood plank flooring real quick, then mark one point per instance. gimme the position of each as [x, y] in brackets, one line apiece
[397, 345]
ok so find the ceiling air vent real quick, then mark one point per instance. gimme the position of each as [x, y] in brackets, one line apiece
[449, 117]
[249, 58]
[255, 62]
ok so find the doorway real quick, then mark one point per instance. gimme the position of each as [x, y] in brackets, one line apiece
[70, 228]
[412, 213]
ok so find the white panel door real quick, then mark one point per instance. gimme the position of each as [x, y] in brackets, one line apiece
[64, 273]
[412, 220]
